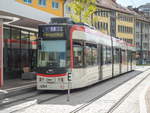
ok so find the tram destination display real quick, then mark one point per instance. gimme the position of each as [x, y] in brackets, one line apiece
[52, 32]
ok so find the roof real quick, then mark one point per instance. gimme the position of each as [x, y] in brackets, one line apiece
[111, 4]
[139, 15]
[145, 6]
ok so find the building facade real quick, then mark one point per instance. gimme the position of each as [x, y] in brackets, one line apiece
[119, 19]
[18, 36]
[113, 19]
[143, 41]
[145, 8]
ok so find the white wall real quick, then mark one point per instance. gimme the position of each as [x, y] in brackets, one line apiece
[16, 8]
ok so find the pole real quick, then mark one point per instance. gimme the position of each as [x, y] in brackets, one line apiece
[1, 52]
[69, 81]
[141, 55]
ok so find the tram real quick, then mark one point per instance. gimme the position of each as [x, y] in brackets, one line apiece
[78, 53]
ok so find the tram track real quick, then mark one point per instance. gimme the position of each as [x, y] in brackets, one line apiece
[126, 95]
[109, 90]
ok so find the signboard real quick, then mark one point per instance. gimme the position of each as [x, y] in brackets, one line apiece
[51, 31]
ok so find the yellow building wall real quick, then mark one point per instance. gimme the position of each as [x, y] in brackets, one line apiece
[105, 20]
[48, 8]
[125, 35]
[127, 24]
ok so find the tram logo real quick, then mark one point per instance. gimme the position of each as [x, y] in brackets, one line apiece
[49, 71]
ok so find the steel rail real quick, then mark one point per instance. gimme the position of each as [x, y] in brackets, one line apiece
[101, 95]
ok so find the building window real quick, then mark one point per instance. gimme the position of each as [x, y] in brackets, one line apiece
[55, 5]
[68, 9]
[28, 1]
[42, 2]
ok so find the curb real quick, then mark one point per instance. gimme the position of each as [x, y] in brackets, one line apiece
[3, 94]
[142, 100]
[19, 107]
[20, 90]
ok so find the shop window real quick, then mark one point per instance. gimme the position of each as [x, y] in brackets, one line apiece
[55, 5]
[78, 54]
[7, 36]
[6, 32]
[28, 1]
[32, 50]
[15, 53]
[6, 51]
[25, 45]
[42, 2]
[33, 36]
[15, 34]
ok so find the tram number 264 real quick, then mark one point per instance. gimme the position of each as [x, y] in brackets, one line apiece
[43, 86]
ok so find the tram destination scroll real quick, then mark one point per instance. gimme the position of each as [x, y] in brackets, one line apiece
[52, 32]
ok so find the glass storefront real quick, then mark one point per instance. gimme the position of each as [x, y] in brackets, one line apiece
[19, 51]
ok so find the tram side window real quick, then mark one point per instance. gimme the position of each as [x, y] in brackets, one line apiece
[116, 56]
[88, 55]
[129, 56]
[94, 55]
[104, 55]
[78, 55]
[109, 55]
[123, 57]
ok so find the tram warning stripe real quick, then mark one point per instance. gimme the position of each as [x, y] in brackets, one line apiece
[54, 75]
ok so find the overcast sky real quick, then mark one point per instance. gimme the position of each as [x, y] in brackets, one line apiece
[134, 3]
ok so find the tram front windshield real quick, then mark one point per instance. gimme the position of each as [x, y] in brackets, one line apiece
[52, 54]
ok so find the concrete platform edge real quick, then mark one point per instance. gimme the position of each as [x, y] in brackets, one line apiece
[20, 90]
[142, 100]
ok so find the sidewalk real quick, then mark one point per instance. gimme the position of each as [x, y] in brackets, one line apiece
[8, 84]
[144, 99]
[147, 100]
[15, 87]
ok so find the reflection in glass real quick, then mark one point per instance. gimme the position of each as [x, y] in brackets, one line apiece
[52, 54]
[24, 49]
[78, 55]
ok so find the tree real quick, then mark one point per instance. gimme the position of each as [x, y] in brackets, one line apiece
[81, 10]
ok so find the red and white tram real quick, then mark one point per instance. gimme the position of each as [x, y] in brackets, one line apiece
[89, 55]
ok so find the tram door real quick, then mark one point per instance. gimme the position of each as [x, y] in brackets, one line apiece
[100, 61]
